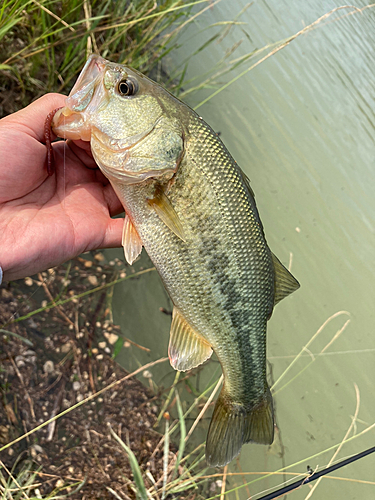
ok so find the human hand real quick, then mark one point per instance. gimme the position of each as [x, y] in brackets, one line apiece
[47, 220]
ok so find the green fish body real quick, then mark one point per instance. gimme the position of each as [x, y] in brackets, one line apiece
[192, 208]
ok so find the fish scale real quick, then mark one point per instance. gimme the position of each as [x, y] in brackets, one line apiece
[202, 290]
[192, 208]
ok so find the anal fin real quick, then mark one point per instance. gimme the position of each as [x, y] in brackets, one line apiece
[130, 241]
[285, 282]
[187, 349]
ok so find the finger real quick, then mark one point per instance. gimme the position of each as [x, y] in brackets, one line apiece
[32, 118]
[85, 145]
[113, 234]
[83, 155]
[114, 205]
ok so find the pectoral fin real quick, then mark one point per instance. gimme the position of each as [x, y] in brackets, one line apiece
[285, 282]
[187, 349]
[130, 241]
[164, 208]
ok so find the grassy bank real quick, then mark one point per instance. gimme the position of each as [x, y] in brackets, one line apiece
[44, 44]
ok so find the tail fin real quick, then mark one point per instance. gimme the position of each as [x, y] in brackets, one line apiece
[232, 425]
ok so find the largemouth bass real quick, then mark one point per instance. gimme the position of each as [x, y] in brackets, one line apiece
[192, 208]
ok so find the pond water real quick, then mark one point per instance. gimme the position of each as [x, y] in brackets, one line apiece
[302, 127]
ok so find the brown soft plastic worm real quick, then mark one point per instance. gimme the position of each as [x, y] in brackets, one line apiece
[47, 136]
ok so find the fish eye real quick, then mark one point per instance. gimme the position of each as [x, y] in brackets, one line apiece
[127, 87]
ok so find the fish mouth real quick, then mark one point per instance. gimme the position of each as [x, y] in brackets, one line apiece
[70, 121]
[82, 91]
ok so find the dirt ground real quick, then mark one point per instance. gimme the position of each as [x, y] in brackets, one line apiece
[63, 356]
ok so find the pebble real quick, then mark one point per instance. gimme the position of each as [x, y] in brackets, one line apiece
[107, 350]
[102, 345]
[79, 398]
[213, 487]
[93, 280]
[20, 362]
[29, 281]
[66, 347]
[127, 344]
[59, 483]
[49, 367]
[29, 356]
[99, 357]
[76, 385]
[147, 374]
[37, 448]
[88, 263]
[32, 323]
[99, 257]
[95, 350]
[111, 337]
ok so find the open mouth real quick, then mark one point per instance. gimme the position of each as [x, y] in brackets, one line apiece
[69, 122]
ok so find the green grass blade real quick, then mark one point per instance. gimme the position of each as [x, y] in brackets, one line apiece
[26, 341]
[136, 470]
[181, 447]
[165, 459]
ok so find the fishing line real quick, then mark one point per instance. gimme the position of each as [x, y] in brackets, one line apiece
[64, 169]
[316, 475]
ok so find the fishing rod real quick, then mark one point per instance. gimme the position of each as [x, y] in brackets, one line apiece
[316, 475]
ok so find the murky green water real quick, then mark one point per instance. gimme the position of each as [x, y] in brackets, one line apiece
[302, 126]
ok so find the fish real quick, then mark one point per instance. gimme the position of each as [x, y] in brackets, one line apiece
[192, 208]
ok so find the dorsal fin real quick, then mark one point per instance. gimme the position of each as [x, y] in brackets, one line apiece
[164, 208]
[130, 241]
[285, 282]
[187, 349]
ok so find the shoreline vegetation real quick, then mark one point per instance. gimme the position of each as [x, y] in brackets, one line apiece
[58, 339]
[45, 44]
